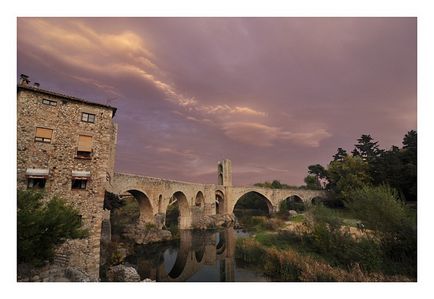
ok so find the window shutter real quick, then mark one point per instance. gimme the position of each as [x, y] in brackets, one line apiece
[44, 133]
[84, 143]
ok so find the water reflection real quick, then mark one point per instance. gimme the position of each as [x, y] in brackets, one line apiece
[196, 256]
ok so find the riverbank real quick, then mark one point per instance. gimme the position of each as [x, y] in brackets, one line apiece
[318, 246]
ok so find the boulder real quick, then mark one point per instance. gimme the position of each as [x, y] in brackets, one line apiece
[214, 221]
[73, 274]
[145, 234]
[160, 219]
[292, 213]
[122, 273]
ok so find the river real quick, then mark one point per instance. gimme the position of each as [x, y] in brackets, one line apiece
[197, 256]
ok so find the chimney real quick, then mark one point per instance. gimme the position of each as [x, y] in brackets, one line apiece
[36, 84]
[24, 79]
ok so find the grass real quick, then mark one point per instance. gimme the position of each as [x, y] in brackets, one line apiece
[350, 222]
[299, 218]
[291, 265]
[324, 237]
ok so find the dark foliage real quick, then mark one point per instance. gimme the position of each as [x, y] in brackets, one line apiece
[396, 167]
[43, 226]
[391, 220]
[275, 184]
[112, 201]
[340, 154]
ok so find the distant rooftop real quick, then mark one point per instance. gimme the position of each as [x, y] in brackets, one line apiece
[25, 84]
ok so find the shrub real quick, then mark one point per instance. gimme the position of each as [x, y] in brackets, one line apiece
[41, 227]
[126, 214]
[290, 265]
[378, 207]
[392, 222]
[327, 237]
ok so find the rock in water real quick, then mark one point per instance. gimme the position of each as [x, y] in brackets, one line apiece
[123, 273]
[74, 274]
[142, 234]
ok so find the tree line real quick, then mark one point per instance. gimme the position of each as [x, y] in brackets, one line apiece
[367, 164]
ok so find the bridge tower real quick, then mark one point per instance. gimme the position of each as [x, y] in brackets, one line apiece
[224, 172]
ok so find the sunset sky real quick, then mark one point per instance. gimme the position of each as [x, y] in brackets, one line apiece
[274, 95]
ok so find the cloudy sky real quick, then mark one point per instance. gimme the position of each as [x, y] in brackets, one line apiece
[274, 95]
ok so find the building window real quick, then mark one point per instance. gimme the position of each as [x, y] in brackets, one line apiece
[36, 183]
[79, 183]
[84, 149]
[43, 135]
[49, 102]
[88, 117]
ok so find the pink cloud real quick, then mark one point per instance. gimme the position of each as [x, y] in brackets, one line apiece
[264, 136]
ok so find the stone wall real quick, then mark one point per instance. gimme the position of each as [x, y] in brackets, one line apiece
[59, 157]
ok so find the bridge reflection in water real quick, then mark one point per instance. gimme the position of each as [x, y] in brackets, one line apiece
[198, 256]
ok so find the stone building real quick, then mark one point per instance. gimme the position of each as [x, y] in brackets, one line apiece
[66, 146]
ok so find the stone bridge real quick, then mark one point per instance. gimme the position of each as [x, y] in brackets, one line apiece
[195, 200]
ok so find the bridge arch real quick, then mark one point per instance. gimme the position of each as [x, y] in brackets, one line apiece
[260, 195]
[184, 218]
[293, 202]
[145, 204]
[200, 200]
[219, 202]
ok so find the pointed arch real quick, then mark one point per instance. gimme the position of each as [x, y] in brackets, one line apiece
[200, 200]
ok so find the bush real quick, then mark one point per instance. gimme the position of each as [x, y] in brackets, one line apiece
[378, 207]
[41, 227]
[334, 203]
[291, 265]
[381, 210]
[327, 237]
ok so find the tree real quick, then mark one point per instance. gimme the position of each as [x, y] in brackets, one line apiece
[317, 170]
[41, 227]
[410, 141]
[340, 155]
[312, 182]
[398, 167]
[320, 174]
[276, 185]
[349, 174]
[366, 148]
[409, 161]
[389, 168]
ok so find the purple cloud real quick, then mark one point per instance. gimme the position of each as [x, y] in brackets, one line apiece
[273, 94]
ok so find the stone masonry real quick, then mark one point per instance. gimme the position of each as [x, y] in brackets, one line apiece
[56, 161]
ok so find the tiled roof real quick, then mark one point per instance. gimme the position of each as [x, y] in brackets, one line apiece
[70, 98]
